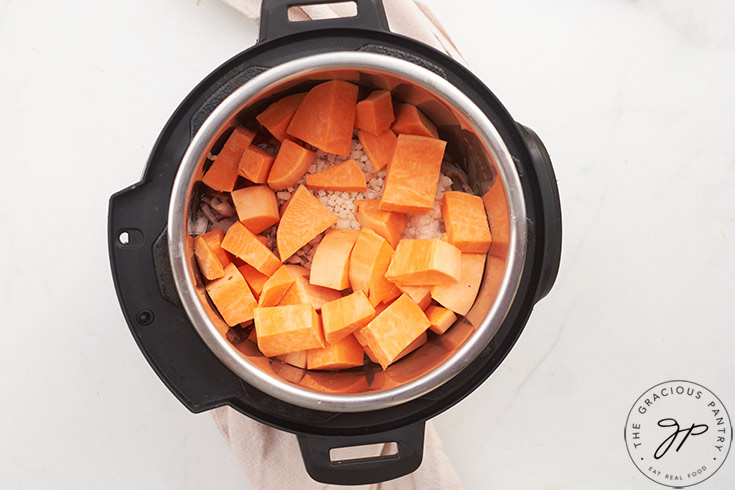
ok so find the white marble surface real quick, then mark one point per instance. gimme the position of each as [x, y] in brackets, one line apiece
[635, 102]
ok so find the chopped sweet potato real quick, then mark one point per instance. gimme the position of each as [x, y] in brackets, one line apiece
[459, 297]
[232, 297]
[344, 315]
[326, 117]
[302, 292]
[410, 120]
[257, 207]
[421, 295]
[291, 163]
[278, 115]
[497, 214]
[346, 176]
[394, 329]
[413, 175]
[392, 294]
[331, 262]
[379, 149]
[304, 218]
[375, 113]
[345, 354]
[369, 260]
[255, 279]
[285, 329]
[276, 286]
[296, 359]
[441, 318]
[387, 224]
[424, 262]
[255, 164]
[420, 340]
[222, 175]
[466, 222]
[243, 243]
[211, 258]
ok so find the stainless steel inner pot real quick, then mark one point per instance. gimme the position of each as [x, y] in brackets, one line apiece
[474, 145]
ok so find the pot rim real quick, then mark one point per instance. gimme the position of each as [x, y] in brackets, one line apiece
[177, 232]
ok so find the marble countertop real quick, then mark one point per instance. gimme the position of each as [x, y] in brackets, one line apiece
[635, 102]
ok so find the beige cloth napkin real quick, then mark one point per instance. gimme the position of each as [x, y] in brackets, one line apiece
[271, 458]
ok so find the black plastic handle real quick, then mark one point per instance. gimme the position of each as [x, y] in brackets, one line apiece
[551, 206]
[315, 451]
[274, 21]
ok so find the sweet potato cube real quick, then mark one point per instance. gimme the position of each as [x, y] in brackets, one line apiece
[285, 329]
[255, 279]
[441, 318]
[326, 117]
[375, 113]
[369, 260]
[466, 222]
[257, 207]
[387, 224]
[302, 292]
[276, 286]
[346, 176]
[379, 149]
[420, 340]
[211, 258]
[278, 115]
[255, 164]
[410, 120]
[413, 175]
[344, 315]
[331, 262]
[461, 296]
[291, 163]
[232, 297]
[244, 243]
[296, 359]
[394, 329]
[424, 262]
[497, 214]
[421, 295]
[392, 294]
[345, 354]
[304, 218]
[222, 175]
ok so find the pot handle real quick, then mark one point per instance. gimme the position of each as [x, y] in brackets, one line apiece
[320, 466]
[551, 208]
[274, 21]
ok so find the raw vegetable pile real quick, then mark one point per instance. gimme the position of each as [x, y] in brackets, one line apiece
[368, 292]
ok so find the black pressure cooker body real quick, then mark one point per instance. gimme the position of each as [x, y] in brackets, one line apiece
[152, 307]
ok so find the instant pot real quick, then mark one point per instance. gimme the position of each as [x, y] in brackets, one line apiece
[206, 364]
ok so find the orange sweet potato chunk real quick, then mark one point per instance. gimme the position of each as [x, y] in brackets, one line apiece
[284, 329]
[394, 329]
[257, 207]
[420, 340]
[387, 224]
[211, 258]
[255, 164]
[331, 262]
[222, 175]
[413, 174]
[375, 113]
[304, 218]
[410, 120]
[276, 286]
[441, 318]
[346, 176]
[421, 295]
[370, 258]
[345, 354]
[424, 262]
[497, 214]
[255, 279]
[291, 163]
[461, 296]
[302, 292]
[378, 148]
[232, 297]
[466, 222]
[278, 115]
[326, 117]
[244, 244]
[343, 316]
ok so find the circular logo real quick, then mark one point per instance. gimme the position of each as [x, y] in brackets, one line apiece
[678, 433]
